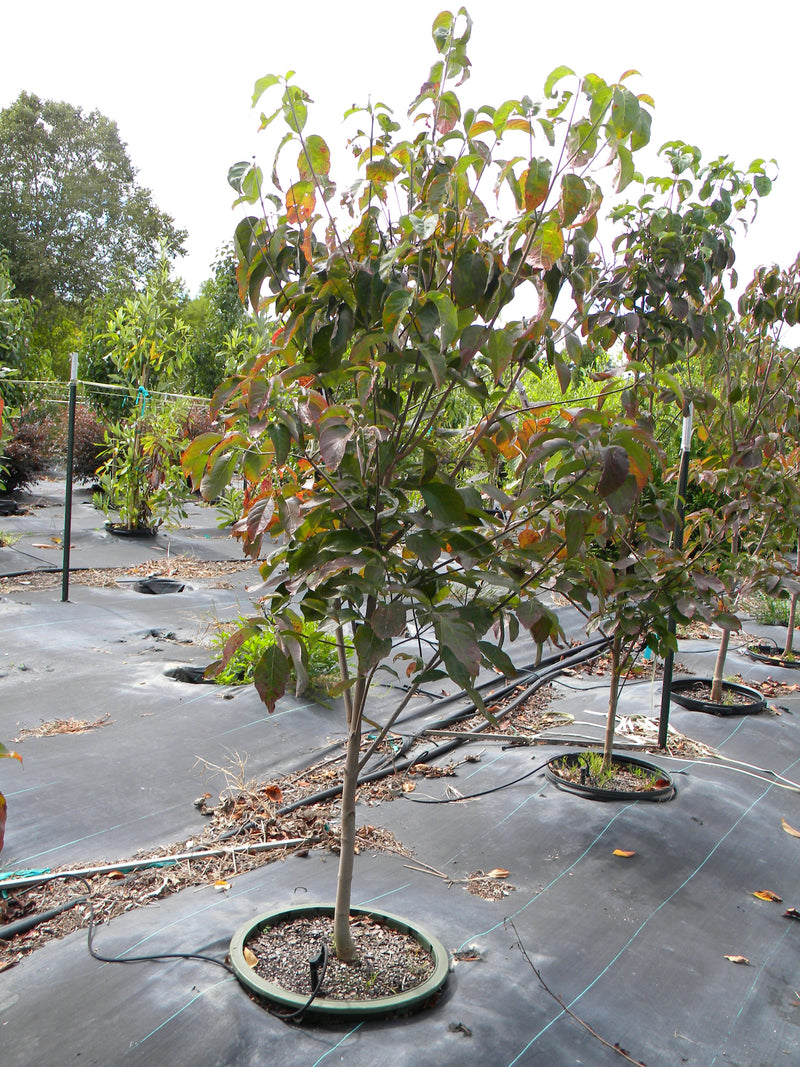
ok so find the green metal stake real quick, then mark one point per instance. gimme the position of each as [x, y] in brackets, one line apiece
[73, 390]
[677, 542]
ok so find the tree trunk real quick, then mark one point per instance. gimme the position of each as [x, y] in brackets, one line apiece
[789, 647]
[613, 697]
[719, 666]
[343, 944]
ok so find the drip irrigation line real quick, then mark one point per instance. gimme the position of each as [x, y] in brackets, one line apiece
[139, 959]
[133, 866]
[393, 765]
[472, 796]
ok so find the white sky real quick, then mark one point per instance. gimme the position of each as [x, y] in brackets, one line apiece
[177, 77]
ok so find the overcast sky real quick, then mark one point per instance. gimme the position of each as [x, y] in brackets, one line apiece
[177, 76]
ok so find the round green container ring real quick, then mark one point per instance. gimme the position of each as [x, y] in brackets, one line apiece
[401, 1003]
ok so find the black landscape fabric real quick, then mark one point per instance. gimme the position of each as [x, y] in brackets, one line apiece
[633, 946]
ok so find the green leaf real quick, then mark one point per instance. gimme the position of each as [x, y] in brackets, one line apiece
[270, 676]
[444, 502]
[625, 169]
[574, 198]
[370, 649]
[236, 173]
[498, 658]
[459, 650]
[625, 110]
[442, 29]
[448, 317]
[218, 477]
[315, 158]
[281, 439]
[537, 183]
[470, 275]
[575, 526]
[547, 246]
[397, 303]
[424, 546]
[554, 77]
[262, 85]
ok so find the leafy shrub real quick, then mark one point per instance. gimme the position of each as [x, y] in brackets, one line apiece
[141, 477]
[28, 446]
[321, 649]
[88, 445]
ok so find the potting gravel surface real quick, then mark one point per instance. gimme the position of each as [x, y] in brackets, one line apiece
[387, 962]
[640, 946]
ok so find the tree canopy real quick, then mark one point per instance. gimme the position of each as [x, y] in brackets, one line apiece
[73, 218]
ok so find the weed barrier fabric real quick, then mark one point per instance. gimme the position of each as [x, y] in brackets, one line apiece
[38, 526]
[635, 946]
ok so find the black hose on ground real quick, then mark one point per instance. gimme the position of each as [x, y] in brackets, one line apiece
[537, 677]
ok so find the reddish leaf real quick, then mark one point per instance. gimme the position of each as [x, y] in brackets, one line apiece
[791, 913]
[767, 894]
[623, 852]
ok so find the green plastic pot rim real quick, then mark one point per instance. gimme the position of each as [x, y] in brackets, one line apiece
[594, 792]
[401, 1003]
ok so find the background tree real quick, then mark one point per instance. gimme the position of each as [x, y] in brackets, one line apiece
[71, 212]
[16, 320]
[74, 222]
[221, 329]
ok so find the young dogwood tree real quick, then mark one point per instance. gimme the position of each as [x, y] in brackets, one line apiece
[466, 258]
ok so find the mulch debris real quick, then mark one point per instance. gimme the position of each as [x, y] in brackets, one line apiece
[184, 567]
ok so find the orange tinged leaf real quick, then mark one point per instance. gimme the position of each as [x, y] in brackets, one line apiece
[409, 787]
[250, 957]
[739, 959]
[789, 829]
[274, 793]
[498, 872]
[221, 884]
[300, 202]
[767, 894]
[528, 537]
[623, 852]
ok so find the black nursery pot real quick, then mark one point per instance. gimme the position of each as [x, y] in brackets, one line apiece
[158, 586]
[769, 652]
[664, 791]
[749, 702]
[119, 529]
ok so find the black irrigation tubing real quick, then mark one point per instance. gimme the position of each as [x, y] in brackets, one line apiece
[536, 678]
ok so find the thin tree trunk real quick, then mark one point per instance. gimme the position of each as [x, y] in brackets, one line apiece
[613, 697]
[719, 667]
[789, 647]
[343, 943]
